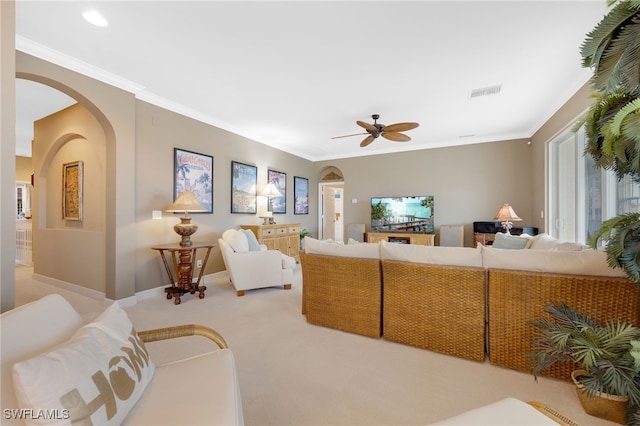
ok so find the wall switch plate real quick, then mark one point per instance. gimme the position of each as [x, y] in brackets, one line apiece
[156, 214]
[354, 201]
[199, 263]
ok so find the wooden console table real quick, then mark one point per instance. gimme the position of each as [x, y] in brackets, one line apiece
[284, 237]
[401, 237]
[182, 259]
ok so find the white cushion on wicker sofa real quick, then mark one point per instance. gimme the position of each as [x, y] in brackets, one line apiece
[434, 255]
[582, 262]
[332, 248]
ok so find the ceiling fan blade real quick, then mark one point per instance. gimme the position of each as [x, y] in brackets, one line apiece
[396, 137]
[367, 126]
[400, 127]
[346, 136]
[367, 141]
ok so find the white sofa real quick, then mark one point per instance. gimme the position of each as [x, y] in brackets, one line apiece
[251, 265]
[52, 360]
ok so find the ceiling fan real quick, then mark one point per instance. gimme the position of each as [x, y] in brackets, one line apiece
[391, 132]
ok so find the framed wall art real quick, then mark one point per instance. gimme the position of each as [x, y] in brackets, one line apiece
[300, 195]
[72, 181]
[244, 179]
[193, 172]
[279, 179]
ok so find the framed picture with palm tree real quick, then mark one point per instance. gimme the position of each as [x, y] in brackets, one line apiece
[193, 172]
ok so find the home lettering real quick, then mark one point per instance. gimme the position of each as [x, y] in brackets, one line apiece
[119, 385]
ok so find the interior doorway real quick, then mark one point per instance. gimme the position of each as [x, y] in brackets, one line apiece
[331, 217]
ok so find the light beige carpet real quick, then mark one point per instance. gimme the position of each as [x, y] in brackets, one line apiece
[294, 373]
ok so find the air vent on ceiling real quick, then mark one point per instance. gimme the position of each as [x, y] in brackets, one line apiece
[485, 91]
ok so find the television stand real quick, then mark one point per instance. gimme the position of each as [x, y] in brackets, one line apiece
[401, 237]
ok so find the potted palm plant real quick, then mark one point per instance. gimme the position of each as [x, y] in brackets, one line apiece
[607, 359]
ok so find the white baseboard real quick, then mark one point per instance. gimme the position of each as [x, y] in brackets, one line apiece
[75, 288]
[97, 295]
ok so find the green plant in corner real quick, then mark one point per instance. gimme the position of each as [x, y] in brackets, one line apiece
[304, 233]
[609, 353]
[612, 123]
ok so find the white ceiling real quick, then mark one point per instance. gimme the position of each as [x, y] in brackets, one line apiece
[293, 74]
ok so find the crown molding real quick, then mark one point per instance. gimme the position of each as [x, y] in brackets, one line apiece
[61, 59]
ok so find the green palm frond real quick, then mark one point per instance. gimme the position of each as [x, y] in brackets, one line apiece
[620, 63]
[602, 49]
[614, 145]
[622, 237]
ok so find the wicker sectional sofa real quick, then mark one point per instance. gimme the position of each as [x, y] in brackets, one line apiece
[461, 301]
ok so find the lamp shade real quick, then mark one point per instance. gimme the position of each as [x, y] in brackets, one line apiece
[186, 202]
[506, 213]
[271, 191]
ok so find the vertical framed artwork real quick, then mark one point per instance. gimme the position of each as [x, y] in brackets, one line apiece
[244, 179]
[193, 172]
[300, 195]
[72, 179]
[279, 179]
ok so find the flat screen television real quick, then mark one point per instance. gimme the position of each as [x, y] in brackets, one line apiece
[402, 214]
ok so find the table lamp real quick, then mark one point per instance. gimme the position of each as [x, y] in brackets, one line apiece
[270, 191]
[186, 202]
[507, 216]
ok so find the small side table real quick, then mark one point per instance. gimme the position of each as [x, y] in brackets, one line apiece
[182, 261]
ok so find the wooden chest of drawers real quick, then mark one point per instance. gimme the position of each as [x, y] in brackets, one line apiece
[283, 237]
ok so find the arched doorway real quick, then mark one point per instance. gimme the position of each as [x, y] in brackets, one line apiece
[331, 202]
[70, 251]
[33, 102]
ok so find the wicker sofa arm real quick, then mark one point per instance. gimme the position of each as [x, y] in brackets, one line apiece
[183, 331]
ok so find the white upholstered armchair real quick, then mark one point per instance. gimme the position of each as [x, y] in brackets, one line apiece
[250, 265]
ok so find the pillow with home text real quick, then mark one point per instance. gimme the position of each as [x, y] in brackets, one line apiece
[96, 377]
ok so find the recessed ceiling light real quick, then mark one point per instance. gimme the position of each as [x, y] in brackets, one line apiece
[95, 18]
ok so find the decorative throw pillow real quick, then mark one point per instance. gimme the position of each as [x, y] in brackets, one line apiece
[237, 240]
[506, 241]
[96, 377]
[544, 241]
[252, 240]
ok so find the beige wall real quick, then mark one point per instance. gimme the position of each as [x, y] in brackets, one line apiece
[158, 132]
[24, 169]
[67, 250]
[114, 109]
[469, 182]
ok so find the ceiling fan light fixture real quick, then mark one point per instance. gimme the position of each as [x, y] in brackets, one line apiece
[375, 130]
